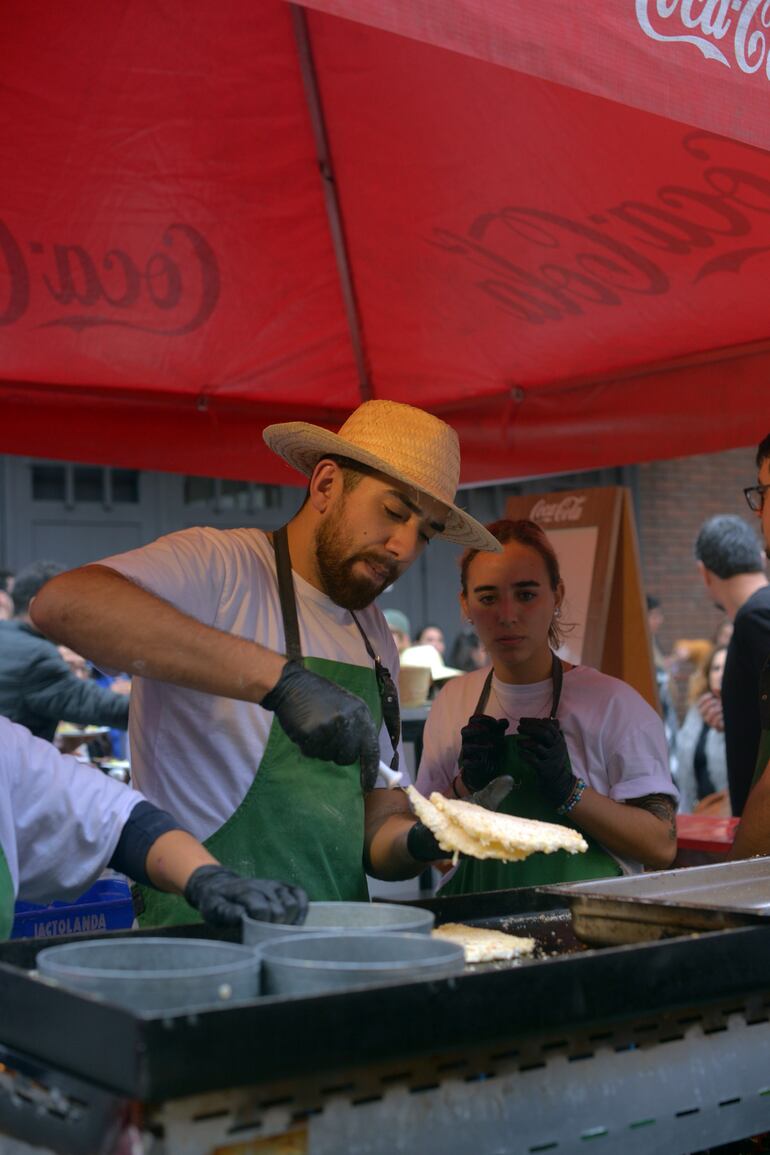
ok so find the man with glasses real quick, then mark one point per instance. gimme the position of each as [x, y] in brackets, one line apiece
[732, 565]
[753, 834]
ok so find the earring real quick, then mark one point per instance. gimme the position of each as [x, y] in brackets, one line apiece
[557, 612]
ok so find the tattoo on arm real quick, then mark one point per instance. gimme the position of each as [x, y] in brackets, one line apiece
[661, 805]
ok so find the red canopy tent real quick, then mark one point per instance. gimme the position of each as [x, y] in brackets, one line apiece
[547, 223]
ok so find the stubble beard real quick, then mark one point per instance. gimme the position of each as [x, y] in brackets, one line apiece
[335, 567]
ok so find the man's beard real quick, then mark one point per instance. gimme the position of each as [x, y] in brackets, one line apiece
[335, 566]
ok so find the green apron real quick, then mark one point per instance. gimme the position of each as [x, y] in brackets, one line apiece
[7, 898]
[527, 800]
[302, 820]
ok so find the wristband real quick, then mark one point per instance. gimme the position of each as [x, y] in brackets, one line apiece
[574, 797]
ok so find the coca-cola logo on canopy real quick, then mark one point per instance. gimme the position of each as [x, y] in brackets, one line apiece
[732, 32]
[543, 267]
[170, 290]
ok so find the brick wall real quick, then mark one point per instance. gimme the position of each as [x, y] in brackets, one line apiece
[675, 498]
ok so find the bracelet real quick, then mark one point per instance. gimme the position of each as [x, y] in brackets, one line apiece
[574, 797]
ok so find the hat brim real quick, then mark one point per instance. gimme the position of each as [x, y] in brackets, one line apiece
[302, 446]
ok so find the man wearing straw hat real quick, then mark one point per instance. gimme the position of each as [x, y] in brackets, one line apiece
[262, 701]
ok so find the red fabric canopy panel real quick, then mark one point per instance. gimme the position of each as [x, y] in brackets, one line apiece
[503, 229]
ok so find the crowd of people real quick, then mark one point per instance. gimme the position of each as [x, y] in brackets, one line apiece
[259, 690]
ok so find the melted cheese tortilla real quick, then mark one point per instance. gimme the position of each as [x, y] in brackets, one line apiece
[466, 828]
[481, 945]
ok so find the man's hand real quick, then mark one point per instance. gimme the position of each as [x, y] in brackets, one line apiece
[421, 842]
[481, 751]
[543, 746]
[325, 720]
[222, 897]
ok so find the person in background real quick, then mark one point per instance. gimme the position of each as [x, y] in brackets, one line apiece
[431, 635]
[583, 749]
[400, 628]
[655, 619]
[731, 562]
[273, 759]
[691, 655]
[38, 689]
[753, 833]
[6, 601]
[76, 662]
[468, 651]
[701, 757]
[58, 837]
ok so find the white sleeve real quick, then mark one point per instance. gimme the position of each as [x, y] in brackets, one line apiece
[67, 817]
[441, 741]
[187, 569]
[636, 752]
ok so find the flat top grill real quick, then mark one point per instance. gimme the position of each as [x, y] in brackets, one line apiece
[564, 987]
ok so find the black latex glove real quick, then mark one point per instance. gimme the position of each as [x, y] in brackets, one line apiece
[543, 746]
[325, 720]
[221, 896]
[481, 752]
[421, 842]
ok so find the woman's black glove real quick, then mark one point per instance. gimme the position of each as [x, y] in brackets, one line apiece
[481, 751]
[222, 897]
[543, 746]
[325, 720]
[421, 842]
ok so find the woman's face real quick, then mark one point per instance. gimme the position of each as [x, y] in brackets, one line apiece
[716, 672]
[511, 604]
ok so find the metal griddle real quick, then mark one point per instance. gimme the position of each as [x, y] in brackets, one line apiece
[439, 1067]
[645, 907]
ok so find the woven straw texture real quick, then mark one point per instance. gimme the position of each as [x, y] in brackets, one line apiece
[403, 442]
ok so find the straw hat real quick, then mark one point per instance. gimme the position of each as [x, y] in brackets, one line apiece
[405, 443]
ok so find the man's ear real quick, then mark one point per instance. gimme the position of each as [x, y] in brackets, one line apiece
[325, 483]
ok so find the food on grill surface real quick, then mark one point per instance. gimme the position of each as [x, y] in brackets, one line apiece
[465, 828]
[481, 945]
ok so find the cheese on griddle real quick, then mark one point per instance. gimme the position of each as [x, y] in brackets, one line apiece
[482, 945]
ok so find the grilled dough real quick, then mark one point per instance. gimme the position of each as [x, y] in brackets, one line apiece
[465, 828]
[482, 945]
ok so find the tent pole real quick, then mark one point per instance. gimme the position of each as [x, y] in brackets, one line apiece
[313, 96]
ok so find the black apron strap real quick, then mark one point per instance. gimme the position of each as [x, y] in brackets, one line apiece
[484, 695]
[286, 594]
[385, 685]
[557, 677]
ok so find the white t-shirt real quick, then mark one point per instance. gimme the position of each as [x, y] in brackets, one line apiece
[615, 740]
[195, 754]
[60, 820]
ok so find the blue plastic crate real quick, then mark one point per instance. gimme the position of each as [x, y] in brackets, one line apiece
[106, 906]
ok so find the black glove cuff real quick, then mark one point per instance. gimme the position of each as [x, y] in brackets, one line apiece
[273, 697]
[200, 876]
[422, 845]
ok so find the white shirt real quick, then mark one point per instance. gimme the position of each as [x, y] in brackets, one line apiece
[615, 740]
[60, 820]
[195, 754]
